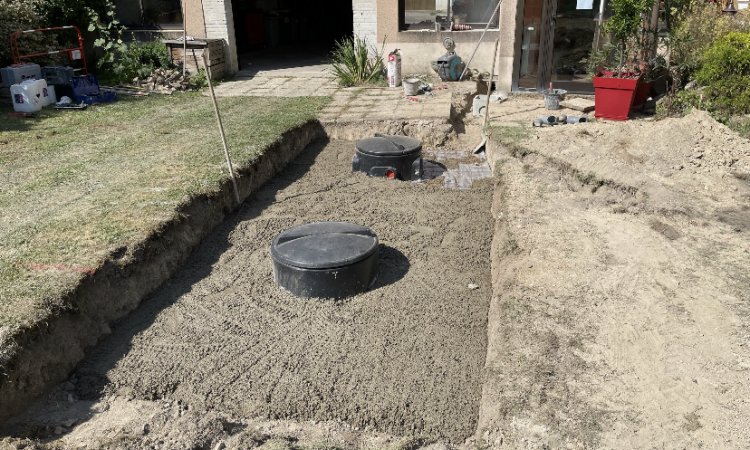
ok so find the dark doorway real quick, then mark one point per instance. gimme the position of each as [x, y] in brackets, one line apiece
[270, 30]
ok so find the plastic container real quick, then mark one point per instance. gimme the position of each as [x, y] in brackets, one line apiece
[29, 96]
[553, 97]
[326, 259]
[58, 75]
[17, 73]
[391, 157]
[48, 96]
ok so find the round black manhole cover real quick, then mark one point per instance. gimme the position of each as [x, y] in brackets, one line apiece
[325, 259]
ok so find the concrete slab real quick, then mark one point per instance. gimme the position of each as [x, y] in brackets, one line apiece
[353, 113]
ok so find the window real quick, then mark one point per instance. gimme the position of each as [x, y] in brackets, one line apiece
[150, 13]
[442, 15]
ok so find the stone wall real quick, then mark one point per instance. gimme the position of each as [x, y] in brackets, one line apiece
[365, 19]
[219, 22]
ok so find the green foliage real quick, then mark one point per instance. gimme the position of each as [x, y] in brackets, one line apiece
[70, 12]
[16, 15]
[356, 64]
[627, 18]
[27, 14]
[626, 26]
[198, 80]
[139, 59]
[725, 72]
[108, 38]
[678, 103]
[695, 27]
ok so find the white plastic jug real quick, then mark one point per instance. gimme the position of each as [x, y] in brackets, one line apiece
[28, 96]
[48, 95]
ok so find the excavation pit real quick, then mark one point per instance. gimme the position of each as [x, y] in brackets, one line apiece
[405, 357]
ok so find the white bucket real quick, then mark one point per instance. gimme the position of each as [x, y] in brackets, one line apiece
[28, 96]
[394, 69]
[411, 86]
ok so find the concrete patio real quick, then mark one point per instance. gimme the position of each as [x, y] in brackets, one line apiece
[353, 112]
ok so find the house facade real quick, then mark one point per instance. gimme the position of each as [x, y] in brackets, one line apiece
[540, 41]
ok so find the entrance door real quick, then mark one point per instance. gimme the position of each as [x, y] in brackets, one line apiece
[557, 39]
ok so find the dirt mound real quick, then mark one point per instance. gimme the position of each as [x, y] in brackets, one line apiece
[621, 312]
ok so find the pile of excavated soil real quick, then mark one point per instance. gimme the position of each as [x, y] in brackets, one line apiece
[405, 358]
[621, 312]
[695, 143]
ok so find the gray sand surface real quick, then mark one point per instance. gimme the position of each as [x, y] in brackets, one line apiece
[405, 358]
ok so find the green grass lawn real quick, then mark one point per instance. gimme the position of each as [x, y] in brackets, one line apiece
[76, 185]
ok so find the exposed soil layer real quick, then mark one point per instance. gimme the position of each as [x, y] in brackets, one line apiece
[621, 312]
[405, 358]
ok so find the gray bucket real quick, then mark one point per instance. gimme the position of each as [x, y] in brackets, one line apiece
[411, 86]
[552, 98]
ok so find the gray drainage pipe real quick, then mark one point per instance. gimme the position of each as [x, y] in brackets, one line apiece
[576, 119]
[545, 121]
[548, 121]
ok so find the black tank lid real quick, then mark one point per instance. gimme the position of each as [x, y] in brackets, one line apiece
[324, 245]
[384, 145]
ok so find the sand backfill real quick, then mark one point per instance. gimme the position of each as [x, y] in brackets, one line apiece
[405, 358]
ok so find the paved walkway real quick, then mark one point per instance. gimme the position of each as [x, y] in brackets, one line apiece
[349, 104]
[383, 104]
[305, 81]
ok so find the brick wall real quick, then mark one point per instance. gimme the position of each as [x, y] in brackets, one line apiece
[220, 25]
[365, 19]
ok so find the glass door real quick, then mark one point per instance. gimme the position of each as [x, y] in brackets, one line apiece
[575, 27]
[529, 77]
[556, 41]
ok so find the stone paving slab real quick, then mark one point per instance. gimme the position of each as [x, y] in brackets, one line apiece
[348, 105]
[383, 104]
[278, 86]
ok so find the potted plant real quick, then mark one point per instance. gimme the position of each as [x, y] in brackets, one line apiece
[615, 90]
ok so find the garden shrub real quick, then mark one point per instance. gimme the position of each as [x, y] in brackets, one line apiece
[696, 26]
[626, 25]
[16, 15]
[70, 12]
[725, 72]
[355, 63]
[140, 59]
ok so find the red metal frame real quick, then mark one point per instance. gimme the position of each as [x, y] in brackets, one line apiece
[18, 57]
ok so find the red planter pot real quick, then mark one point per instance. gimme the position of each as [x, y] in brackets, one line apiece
[642, 93]
[613, 97]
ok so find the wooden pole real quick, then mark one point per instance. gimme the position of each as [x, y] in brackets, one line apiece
[221, 128]
[483, 145]
[489, 88]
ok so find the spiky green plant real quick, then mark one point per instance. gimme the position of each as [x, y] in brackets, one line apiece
[355, 63]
